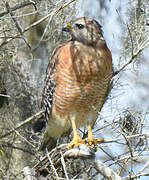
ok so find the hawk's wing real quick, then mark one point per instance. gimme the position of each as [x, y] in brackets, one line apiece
[47, 97]
[50, 84]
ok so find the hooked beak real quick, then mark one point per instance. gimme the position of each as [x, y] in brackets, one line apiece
[67, 28]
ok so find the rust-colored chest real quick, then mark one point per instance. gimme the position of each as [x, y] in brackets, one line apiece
[82, 77]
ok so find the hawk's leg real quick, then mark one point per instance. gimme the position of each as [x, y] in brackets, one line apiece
[76, 138]
[91, 140]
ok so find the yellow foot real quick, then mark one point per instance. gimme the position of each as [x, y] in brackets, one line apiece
[75, 142]
[93, 141]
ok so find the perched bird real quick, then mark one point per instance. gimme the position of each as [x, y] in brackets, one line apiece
[77, 82]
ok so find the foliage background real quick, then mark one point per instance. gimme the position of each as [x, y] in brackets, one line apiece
[23, 60]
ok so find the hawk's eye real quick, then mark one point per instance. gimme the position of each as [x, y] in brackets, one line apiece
[80, 26]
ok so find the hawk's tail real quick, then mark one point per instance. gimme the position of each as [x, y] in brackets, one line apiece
[47, 142]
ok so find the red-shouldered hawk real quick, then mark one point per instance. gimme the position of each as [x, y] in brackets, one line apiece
[77, 82]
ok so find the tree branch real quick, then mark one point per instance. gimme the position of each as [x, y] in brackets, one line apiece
[136, 176]
[52, 165]
[129, 60]
[128, 137]
[18, 6]
[17, 24]
[22, 124]
[38, 22]
[56, 158]
[107, 172]
[4, 95]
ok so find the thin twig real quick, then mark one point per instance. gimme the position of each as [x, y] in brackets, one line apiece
[128, 144]
[112, 158]
[17, 24]
[124, 163]
[136, 176]
[50, 160]
[129, 60]
[25, 139]
[144, 167]
[130, 150]
[38, 22]
[132, 48]
[43, 34]
[64, 165]
[128, 137]
[22, 124]
[4, 95]
[133, 55]
[20, 5]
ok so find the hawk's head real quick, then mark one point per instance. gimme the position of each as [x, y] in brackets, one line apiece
[85, 30]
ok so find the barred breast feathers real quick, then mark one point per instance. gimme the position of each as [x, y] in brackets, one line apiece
[92, 60]
[73, 70]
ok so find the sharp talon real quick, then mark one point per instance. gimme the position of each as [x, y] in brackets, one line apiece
[89, 143]
[95, 148]
[92, 141]
[101, 139]
[75, 142]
